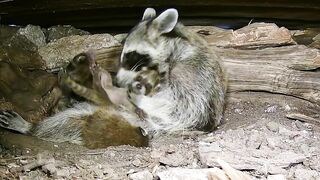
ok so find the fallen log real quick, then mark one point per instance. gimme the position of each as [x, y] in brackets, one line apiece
[291, 70]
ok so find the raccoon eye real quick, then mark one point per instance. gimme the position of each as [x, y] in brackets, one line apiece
[81, 58]
[134, 61]
[138, 86]
[138, 78]
[70, 67]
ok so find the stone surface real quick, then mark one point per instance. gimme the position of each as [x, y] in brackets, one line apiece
[59, 52]
[261, 150]
[276, 177]
[273, 126]
[304, 174]
[191, 174]
[20, 46]
[175, 159]
[121, 37]
[142, 175]
[57, 32]
[33, 34]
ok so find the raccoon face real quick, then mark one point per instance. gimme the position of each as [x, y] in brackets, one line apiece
[146, 81]
[145, 44]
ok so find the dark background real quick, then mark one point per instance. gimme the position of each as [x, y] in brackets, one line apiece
[121, 15]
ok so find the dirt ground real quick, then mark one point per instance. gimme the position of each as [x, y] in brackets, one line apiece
[256, 137]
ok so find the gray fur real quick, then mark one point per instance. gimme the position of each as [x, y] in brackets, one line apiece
[64, 126]
[193, 94]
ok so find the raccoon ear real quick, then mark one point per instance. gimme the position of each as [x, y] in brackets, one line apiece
[105, 79]
[166, 21]
[149, 13]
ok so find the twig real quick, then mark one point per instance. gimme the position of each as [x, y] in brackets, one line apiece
[303, 118]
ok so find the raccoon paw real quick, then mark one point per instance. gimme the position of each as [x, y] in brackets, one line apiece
[13, 121]
[4, 118]
[133, 97]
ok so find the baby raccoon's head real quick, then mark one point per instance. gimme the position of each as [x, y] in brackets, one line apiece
[146, 82]
[146, 44]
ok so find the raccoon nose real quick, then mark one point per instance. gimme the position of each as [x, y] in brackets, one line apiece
[115, 83]
[139, 86]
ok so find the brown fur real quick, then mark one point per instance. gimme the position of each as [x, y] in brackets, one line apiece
[107, 128]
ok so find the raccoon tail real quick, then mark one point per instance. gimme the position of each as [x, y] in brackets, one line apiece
[13, 121]
[87, 93]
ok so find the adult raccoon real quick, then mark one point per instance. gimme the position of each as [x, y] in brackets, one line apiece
[192, 94]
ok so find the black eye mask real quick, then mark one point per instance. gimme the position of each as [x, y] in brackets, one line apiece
[134, 61]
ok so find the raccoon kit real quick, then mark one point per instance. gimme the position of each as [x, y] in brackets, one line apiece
[97, 124]
[146, 81]
[192, 94]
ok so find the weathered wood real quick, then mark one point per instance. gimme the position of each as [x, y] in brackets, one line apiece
[108, 58]
[291, 70]
[271, 70]
[303, 118]
[252, 36]
[284, 70]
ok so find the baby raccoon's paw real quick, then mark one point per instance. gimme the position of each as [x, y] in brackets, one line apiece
[62, 76]
[142, 115]
[13, 121]
[133, 97]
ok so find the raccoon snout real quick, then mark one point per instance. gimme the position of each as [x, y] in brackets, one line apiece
[139, 86]
[124, 77]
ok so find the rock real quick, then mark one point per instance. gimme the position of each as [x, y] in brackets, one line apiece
[290, 134]
[304, 174]
[156, 154]
[287, 108]
[272, 142]
[136, 162]
[192, 174]
[58, 53]
[131, 171]
[121, 37]
[60, 173]
[249, 152]
[17, 49]
[232, 173]
[142, 175]
[271, 109]
[300, 125]
[285, 159]
[314, 163]
[276, 170]
[175, 159]
[57, 32]
[50, 169]
[276, 177]
[171, 149]
[34, 34]
[273, 126]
